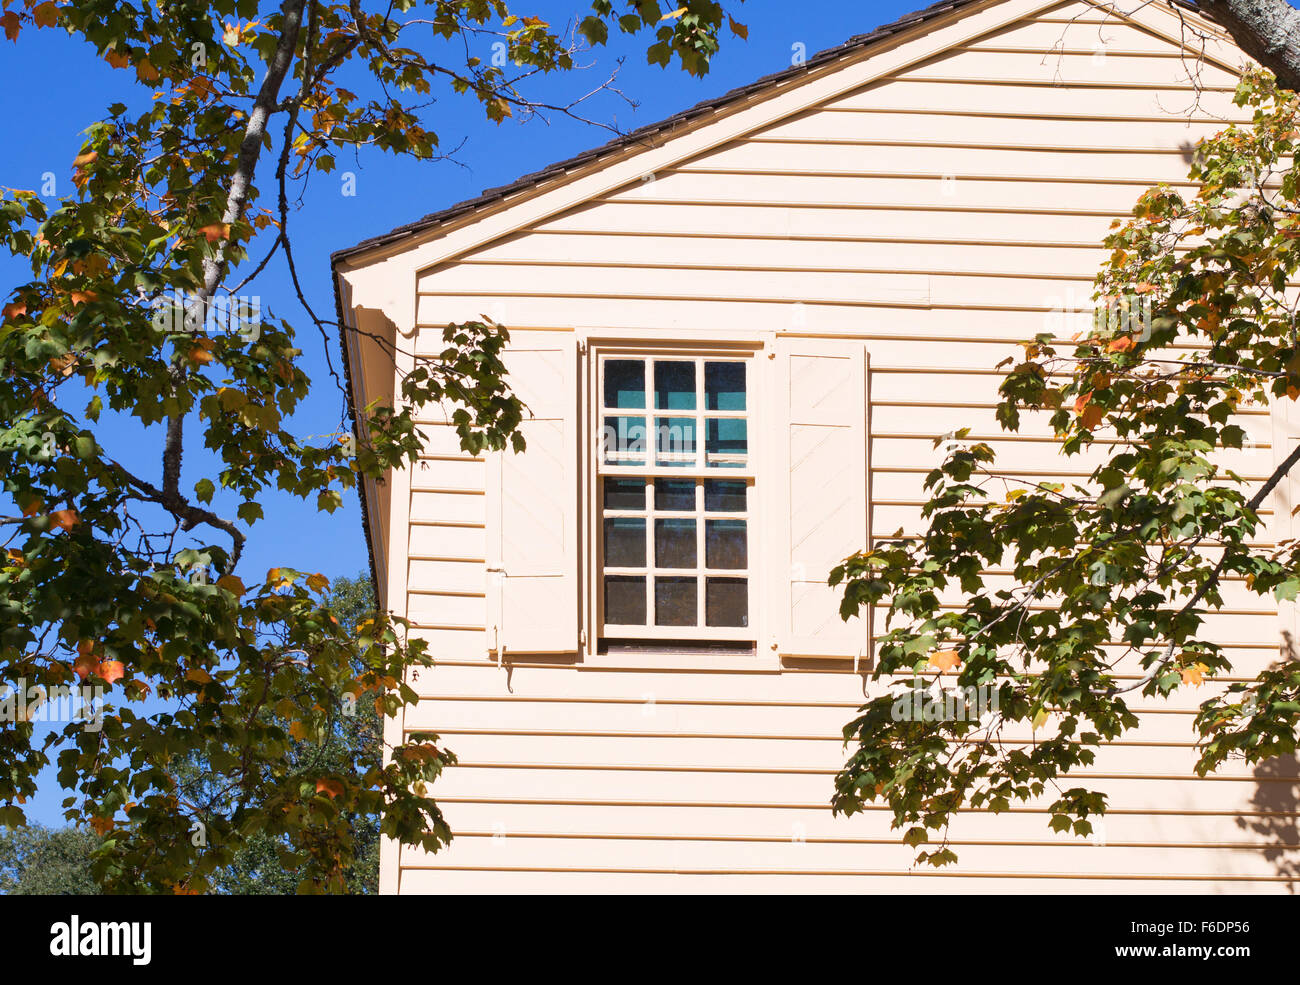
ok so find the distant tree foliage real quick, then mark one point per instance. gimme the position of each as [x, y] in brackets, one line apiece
[39, 861]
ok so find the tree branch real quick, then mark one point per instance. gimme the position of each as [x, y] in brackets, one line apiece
[1267, 30]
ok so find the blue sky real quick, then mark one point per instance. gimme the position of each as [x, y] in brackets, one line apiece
[56, 87]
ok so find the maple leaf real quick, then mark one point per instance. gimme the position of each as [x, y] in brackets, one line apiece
[945, 659]
[46, 14]
[330, 787]
[216, 231]
[1122, 344]
[12, 25]
[201, 352]
[64, 519]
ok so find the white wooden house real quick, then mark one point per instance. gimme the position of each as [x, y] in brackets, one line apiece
[738, 333]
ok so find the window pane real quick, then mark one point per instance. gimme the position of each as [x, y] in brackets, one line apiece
[624, 383]
[625, 494]
[674, 494]
[625, 600]
[728, 442]
[724, 386]
[675, 441]
[675, 600]
[725, 544]
[675, 543]
[723, 496]
[625, 440]
[624, 542]
[674, 386]
[726, 602]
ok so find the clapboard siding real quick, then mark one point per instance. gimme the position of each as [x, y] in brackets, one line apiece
[940, 215]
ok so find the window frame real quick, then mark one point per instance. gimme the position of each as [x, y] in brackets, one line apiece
[752, 474]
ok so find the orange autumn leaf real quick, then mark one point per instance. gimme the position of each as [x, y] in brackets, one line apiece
[64, 363]
[81, 160]
[201, 352]
[116, 59]
[231, 584]
[34, 507]
[111, 670]
[330, 787]
[944, 659]
[83, 665]
[64, 519]
[1195, 674]
[198, 675]
[11, 24]
[1089, 415]
[81, 297]
[297, 730]
[102, 825]
[145, 72]
[15, 309]
[1122, 344]
[216, 231]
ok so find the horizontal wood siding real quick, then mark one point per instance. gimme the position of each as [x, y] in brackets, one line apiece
[941, 215]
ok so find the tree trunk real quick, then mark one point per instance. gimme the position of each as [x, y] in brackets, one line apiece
[1267, 30]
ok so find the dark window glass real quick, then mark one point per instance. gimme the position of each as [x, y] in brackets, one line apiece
[726, 602]
[625, 494]
[624, 542]
[624, 383]
[674, 386]
[675, 543]
[675, 601]
[674, 494]
[725, 544]
[625, 600]
[724, 496]
[724, 386]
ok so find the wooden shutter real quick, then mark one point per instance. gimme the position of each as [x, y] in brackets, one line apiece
[532, 507]
[820, 494]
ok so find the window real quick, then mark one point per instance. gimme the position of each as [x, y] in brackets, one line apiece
[676, 485]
